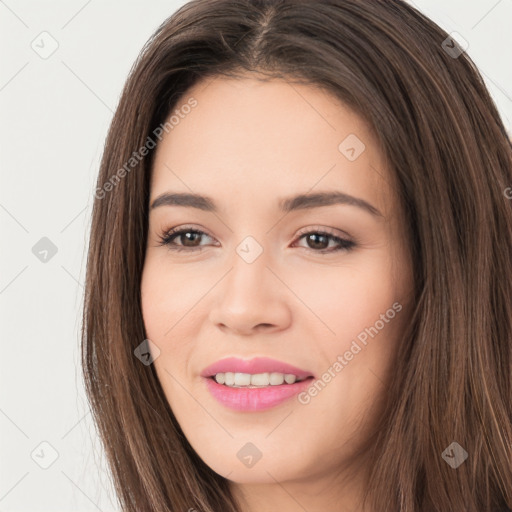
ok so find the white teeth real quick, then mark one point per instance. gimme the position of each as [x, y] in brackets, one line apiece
[255, 380]
[277, 379]
[290, 379]
[242, 379]
[260, 379]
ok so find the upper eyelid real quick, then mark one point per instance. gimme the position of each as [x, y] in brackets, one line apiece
[178, 230]
[303, 231]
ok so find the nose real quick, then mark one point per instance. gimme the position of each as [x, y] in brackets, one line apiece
[250, 299]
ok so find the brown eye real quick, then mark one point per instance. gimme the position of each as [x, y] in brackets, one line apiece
[187, 237]
[318, 241]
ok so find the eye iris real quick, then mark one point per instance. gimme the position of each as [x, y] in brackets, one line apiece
[189, 236]
[314, 237]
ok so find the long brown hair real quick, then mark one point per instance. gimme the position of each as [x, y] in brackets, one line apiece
[444, 141]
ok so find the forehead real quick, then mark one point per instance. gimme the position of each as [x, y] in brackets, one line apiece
[277, 137]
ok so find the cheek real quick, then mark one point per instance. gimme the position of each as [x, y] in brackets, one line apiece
[361, 312]
[167, 296]
[349, 297]
[172, 306]
[155, 299]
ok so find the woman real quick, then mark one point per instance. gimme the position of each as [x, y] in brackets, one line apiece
[299, 284]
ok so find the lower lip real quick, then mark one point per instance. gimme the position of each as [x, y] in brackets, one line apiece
[255, 399]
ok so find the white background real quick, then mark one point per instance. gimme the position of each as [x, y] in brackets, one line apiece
[55, 113]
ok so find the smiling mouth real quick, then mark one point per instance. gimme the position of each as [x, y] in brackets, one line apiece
[256, 381]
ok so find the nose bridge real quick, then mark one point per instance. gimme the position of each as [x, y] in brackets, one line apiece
[250, 295]
[251, 252]
[249, 275]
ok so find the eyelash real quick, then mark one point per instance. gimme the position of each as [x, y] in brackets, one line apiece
[168, 236]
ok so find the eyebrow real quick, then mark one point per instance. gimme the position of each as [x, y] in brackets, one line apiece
[298, 202]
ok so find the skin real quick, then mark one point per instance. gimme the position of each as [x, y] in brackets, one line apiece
[247, 144]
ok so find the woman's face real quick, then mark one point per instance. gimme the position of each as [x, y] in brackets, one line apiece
[262, 279]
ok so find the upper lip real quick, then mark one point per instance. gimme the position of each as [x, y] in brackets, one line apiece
[253, 366]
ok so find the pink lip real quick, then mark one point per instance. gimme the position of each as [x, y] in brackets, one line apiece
[254, 399]
[256, 365]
